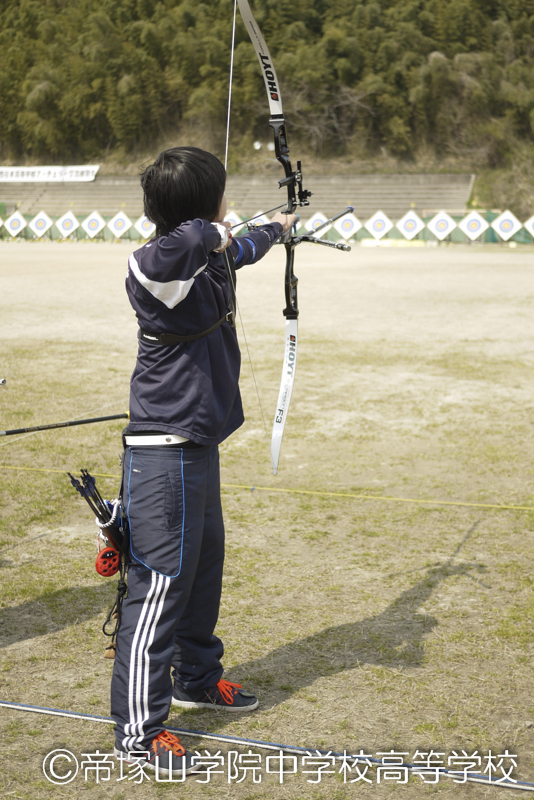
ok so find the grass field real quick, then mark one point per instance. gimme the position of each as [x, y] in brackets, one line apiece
[398, 620]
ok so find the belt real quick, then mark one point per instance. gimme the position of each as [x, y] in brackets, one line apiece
[172, 338]
[157, 440]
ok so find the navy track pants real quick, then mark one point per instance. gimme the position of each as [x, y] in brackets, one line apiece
[172, 500]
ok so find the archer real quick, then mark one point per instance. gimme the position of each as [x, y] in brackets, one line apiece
[184, 402]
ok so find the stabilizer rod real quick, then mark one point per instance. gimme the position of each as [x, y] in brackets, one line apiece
[69, 424]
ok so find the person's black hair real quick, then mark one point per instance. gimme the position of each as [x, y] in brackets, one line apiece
[183, 183]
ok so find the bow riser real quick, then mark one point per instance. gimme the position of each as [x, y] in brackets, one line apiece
[291, 310]
[293, 179]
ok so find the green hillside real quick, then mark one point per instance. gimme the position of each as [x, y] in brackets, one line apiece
[404, 79]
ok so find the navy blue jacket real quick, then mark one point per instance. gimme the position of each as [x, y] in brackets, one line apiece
[178, 284]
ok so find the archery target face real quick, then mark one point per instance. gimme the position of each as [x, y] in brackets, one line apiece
[347, 226]
[260, 220]
[441, 225]
[234, 219]
[67, 224]
[15, 223]
[473, 225]
[314, 222]
[506, 225]
[40, 224]
[410, 225]
[144, 227]
[378, 225]
[119, 224]
[529, 225]
[93, 224]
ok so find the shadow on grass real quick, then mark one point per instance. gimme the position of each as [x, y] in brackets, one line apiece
[395, 639]
[53, 611]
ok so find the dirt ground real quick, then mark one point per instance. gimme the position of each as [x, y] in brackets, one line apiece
[379, 603]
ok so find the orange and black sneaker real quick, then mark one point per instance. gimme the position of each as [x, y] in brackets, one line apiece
[166, 757]
[224, 696]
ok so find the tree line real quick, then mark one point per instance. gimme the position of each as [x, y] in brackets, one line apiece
[79, 78]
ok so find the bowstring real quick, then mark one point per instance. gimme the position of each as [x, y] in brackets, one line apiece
[229, 271]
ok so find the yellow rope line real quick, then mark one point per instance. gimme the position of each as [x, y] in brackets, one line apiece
[60, 471]
[319, 494]
[378, 497]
